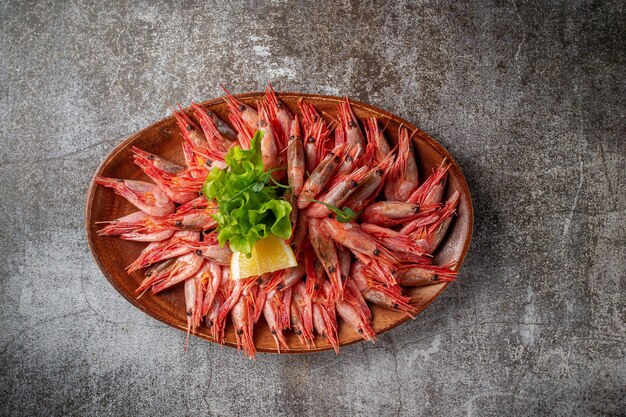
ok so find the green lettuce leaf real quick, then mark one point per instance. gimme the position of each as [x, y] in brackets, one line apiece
[249, 204]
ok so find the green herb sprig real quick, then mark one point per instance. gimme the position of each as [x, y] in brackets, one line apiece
[344, 215]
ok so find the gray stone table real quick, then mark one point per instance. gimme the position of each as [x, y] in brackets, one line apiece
[528, 96]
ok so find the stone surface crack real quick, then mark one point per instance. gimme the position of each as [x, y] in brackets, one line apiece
[519, 47]
[398, 384]
[100, 316]
[465, 328]
[24, 330]
[570, 216]
[57, 157]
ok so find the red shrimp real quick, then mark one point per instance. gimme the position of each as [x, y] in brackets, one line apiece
[217, 145]
[269, 144]
[302, 314]
[281, 114]
[396, 241]
[376, 136]
[295, 159]
[146, 228]
[300, 233]
[326, 252]
[314, 276]
[214, 252]
[160, 170]
[350, 125]
[204, 115]
[403, 178]
[325, 316]
[241, 111]
[430, 239]
[431, 191]
[345, 262]
[351, 160]
[420, 222]
[272, 311]
[393, 213]
[243, 321]
[181, 269]
[177, 245]
[212, 277]
[420, 275]
[231, 291]
[351, 316]
[316, 140]
[286, 278]
[387, 297]
[320, 177]
[194, 144]
[190, 305]
[217, 333]
[126, 229]
[337, 194]
[353, 237]
[364, 247]
[310, 115]
[147, 197]
[371, 185]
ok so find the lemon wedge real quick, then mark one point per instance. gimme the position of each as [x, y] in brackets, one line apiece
[268, 255]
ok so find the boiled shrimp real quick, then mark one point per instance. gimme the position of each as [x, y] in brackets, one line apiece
[217, 144]
[371, 185]
[320, 177]
[194, 144]
[273, 316]
[430, 239]
[243, 321]
[392, 239]
[393, 213]
[211, 276]
[295, 159]
[325, 317]
[269, 146]
[178, 245]
[403, 178]
[387, 297]
[350, 125]
[147, 197]
[337, 194]
[302, 314]
[364, 247]
[431, 191]
[316, 139]
[217, 333]
[190, 305]
[160, 171]
[376, 136]
[125, 227]
[420, 275]
[225, 132]
[241, 111]
[280, 112]
[181, 269]
[326, 252]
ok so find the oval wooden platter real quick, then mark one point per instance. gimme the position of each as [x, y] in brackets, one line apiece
[163, 138]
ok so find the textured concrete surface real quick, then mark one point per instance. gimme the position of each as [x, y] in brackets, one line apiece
[529, 97]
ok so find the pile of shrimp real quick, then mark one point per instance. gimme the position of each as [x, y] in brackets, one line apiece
[342, 265]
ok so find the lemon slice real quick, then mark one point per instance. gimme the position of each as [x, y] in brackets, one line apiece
[268, 255]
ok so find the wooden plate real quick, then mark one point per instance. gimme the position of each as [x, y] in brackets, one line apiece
[163, 138]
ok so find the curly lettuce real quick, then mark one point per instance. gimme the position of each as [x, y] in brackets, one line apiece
[248, 199]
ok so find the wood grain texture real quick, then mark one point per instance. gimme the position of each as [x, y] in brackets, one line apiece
[113, 255]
